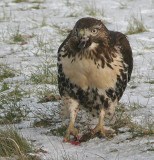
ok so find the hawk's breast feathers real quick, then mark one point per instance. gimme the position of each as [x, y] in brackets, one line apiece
[87, 72]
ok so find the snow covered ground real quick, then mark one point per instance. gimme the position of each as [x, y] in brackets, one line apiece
[30, 34]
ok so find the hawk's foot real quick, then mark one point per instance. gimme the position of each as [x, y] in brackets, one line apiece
[71, 130]
[100, 128]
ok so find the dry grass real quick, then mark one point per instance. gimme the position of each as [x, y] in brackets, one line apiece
[11, 143]
[123, 119]
[135, 26]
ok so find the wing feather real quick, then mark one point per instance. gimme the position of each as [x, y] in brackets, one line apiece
[120, 39]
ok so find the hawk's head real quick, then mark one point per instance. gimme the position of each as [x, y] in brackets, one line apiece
[88, 32]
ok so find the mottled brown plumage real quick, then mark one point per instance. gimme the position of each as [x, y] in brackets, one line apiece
[94, 66]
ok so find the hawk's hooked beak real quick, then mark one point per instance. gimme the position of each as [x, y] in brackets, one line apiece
[83, 39]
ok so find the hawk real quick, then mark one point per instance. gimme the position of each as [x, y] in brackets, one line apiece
[94, 67]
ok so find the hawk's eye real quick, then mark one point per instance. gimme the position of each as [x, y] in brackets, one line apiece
[94, 31]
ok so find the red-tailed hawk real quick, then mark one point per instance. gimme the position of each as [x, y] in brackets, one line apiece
[94, 67]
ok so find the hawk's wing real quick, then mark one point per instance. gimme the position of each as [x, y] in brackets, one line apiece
[120, 39]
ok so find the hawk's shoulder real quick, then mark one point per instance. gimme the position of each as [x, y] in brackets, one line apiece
[64, 42]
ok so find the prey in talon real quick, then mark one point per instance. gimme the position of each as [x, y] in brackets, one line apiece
[94, 67]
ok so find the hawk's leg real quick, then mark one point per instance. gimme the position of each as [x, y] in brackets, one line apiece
[99, 126]
[71, 129]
